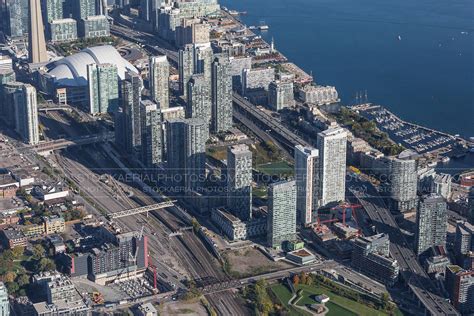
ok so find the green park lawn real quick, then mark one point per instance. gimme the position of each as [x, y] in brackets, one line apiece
[276, 168]
[338, 305]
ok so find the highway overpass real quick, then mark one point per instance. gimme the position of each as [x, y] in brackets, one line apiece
[62, 143]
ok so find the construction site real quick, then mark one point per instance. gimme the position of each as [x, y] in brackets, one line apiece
[335, 226]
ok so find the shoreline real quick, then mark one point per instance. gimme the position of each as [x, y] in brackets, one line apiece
[457, 137]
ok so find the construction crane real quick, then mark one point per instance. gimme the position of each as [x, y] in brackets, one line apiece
[344, 207]
[153, 269]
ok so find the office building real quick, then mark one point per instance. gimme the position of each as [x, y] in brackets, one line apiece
[236, 229]
[103, 88]
[192, 31]
[203, 57]
[318, 95]
[281, 218]
[401, 184]
[236, 68]
[36, 42]
[437, 261]
[459, 284]
[14, 17]
[7, 86]
[221, 95]
[63, 30]
[197, 133]
[194, 59]
[257, 79]
[82, 9]
[147, 309]
[199, 102]
[12, 238]
[176, 112]
[170, 17]
[62, 296]
[431, 223]
[121, 256]
[159, 80]
[239, 181]
[4, 303]
[53, 10]
[6, 65]
[332, 147]
[371, 255]
[93, 26]
[307, 183]
[464, 244]
[152, 153]
[54, 224]
[280, 95]
[186, 150]
[441, 185]
[186, 68]
[131, 89]
[26, 113]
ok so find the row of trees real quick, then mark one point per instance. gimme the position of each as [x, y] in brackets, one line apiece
[368, 131]
[258, 295]
[302, 278]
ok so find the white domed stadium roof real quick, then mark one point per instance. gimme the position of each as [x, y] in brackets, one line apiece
[72, 70]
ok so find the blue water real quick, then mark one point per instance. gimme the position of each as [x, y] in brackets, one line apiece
[427, 77]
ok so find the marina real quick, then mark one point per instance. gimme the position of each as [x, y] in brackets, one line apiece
[421, 139]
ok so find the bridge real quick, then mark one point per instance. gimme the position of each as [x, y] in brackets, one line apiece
[68, 142]
[55, 108]
[140, 210]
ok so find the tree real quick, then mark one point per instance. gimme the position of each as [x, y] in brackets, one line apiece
[303, 278]
[309, 280]
[46, 264]
[296, 279]
[17, 252]
[384, 298]
[38, 251]
[263, 301]
[10, 276]
[12, 287]
[23, 279]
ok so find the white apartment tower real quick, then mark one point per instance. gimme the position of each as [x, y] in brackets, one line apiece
[332, 163]
[26, 113]
[307, 183]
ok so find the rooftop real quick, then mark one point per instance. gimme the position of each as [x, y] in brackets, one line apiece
[72, 70]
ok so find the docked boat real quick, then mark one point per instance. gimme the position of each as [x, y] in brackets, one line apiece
[445, 159]
[263, 26]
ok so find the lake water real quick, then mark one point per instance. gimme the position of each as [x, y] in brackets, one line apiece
[414, 57]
